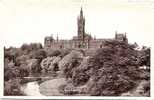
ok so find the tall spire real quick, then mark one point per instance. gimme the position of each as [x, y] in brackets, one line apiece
[81, 12]
[81, 26]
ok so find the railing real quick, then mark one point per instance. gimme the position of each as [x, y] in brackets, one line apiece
[36, 77]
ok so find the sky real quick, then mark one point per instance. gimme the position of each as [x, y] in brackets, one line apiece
[27, 21]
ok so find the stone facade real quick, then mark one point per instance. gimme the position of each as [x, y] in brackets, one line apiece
[82, 40]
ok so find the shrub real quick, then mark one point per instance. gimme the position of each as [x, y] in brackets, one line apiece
[12, 87]
[11, 72]
[70, 62]
[80, 79]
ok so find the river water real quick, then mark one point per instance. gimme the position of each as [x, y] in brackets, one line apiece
[47, 88]
[31, 89]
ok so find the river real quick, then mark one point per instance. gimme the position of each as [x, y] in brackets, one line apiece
[31, 89]
[47, 88]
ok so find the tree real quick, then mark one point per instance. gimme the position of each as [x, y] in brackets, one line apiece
[69, 62]
[40, 54]
[113, 70]
[52, 53]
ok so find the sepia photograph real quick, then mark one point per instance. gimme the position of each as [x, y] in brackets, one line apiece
[77, 47]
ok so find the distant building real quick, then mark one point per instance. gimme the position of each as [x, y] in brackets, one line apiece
[82, 40]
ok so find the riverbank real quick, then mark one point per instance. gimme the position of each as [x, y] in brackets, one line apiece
[51, 87]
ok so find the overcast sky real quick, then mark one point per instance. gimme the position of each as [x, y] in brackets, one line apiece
[26, 21]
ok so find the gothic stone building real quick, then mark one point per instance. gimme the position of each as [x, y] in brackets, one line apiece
[82, 40]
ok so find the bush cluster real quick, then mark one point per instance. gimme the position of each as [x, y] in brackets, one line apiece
[113, 70]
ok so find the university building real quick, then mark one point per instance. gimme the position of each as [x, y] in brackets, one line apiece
[82, 40]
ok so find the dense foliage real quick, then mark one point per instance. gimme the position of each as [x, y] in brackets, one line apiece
[113, 70]
[19, 63]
